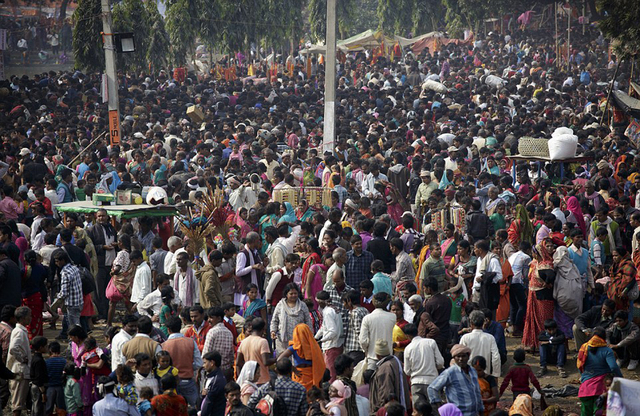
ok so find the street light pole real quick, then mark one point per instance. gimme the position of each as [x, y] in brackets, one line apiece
[111, 74]
[329, 133]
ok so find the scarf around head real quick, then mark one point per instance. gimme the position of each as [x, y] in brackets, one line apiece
[594, 342]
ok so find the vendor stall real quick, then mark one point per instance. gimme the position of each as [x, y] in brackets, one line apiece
[122, 212]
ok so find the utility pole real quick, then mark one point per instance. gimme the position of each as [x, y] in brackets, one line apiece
[329, 132]
[111, 74]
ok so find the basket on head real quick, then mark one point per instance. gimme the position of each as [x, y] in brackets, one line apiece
[528, 146]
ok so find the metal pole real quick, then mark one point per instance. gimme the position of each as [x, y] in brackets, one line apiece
[330, 80]
[613, 81]
[555, 11]
[568, 38]
[112, 74]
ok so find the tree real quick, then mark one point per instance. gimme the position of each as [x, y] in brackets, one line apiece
[426, 16]
[620, 25]
[395, 16]
[132, 16]
[345, 19]
[159, 43]
[87, 40]
[183, 26]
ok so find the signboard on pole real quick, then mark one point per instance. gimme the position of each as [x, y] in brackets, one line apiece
[114, 127]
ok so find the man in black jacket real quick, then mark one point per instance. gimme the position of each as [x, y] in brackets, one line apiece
[601, 315]
[478, 224]
[9, 281]
[104, 240]
[39, 376]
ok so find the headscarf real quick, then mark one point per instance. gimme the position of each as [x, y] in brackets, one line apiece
[248, 373]
[594, 342]
[308, 349]
[449, 409]
[574, 207]
[526, 228]
[245, 228]
[444, 182]
[459, 349]
[289, 215]
[344, 391]
[522, 406]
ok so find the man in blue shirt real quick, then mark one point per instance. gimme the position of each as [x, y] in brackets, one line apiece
[460, 382]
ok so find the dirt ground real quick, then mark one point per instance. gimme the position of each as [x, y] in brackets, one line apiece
[568, 404]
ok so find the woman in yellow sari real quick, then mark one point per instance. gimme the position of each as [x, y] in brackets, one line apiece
[307, 357]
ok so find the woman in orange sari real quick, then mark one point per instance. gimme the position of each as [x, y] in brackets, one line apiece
[540, 303]
[502, 314]
[307, 357]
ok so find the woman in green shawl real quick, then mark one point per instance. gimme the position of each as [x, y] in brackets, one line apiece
[521, 228]
[304, 212]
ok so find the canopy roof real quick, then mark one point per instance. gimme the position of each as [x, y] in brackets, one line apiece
[120, 211]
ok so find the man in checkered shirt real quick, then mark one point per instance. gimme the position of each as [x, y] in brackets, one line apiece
[355, 314]
[70, 287]
[293, 394]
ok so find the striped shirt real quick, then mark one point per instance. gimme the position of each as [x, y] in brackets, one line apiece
[55, 367]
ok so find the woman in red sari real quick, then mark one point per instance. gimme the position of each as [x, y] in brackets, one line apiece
[34, 291]
[623, 274]
[540, 303]
[502, 314]
[520, 228]
[313, 252]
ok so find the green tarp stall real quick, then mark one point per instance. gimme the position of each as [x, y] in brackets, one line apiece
[629, 105]
[368, 39]
[120, 211]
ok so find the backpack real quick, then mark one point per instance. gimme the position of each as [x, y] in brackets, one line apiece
[271, 404]
[87, 279]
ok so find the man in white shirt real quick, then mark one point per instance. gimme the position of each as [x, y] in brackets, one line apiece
[488, 265]
[129, 329]
[370, 180]
[557, 212]
[482, 343]
[422, 359]
[142, 279]
[519, 262]
[378, 325]
[330, 335]
[175, 247]
[152, 303]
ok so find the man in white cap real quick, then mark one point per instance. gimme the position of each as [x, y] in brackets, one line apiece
[424, 190]
[240, 195]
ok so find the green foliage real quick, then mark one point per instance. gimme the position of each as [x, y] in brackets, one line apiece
[396, 16]
[620, 25]
[346, 17]
[87, 41]
[183, 26]
[159, 43]
[132, 16]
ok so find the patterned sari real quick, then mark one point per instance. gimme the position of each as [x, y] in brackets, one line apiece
[538, 310]
[622, 275]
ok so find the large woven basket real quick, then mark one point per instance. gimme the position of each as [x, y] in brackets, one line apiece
[528, 146]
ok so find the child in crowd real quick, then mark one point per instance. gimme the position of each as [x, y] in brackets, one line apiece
[316, 319]
[126, 388]
[144, 407]
[72, 396]
[597, 253]
[488, 384]
[55, 388]
[363, 390]
[144, 376]
[167, 311]
[458, 302]
[519, 375]
[229, 312]
[552, 348]
[163, 358]
[93, 360]
[39, 376]
[381, 281]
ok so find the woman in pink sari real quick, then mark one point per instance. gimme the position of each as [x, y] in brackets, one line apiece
[449, 245]
[315, 278]
[576, 216]
[240, 220]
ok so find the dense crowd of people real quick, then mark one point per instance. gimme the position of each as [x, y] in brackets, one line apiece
[394, 296]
